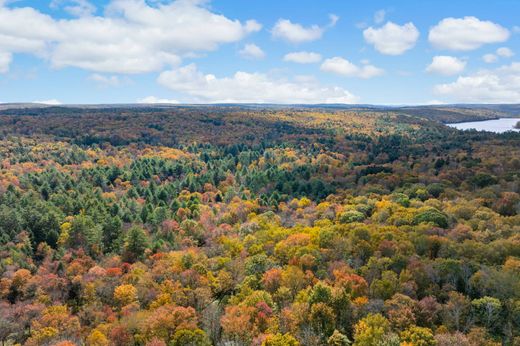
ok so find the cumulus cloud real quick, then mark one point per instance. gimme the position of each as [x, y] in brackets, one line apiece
[466, 33]
[131, 37]
[505, 52]
[502, 52]
[391, 38]
[252, 26]
[446, 65]
[5, 61]
[156, 100]
[302, 57]
[296, 33]
[501, 85]
[252, 51]
[249, 88]
[344, 67]
[17, 34]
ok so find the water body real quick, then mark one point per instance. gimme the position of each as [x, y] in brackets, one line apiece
[496, 125]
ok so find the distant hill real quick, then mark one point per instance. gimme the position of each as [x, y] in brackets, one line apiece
[462, 113]
[441, 113]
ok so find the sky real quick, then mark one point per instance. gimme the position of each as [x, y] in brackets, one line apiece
[390, 52]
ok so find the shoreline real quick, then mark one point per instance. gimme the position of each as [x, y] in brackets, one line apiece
[478, 120]
[498, 127]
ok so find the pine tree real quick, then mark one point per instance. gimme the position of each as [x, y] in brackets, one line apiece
[136, 243]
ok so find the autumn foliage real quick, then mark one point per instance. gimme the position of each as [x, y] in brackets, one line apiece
[237, 226]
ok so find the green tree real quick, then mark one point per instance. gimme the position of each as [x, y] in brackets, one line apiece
[482, 180]
[112, 234]
[351, 216]
[322, 319]
[432, 215]
[320, 293]
[85, 232]
[487, 310]
[188, 337]
[136, 243]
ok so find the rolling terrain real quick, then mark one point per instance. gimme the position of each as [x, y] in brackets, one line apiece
[258, 225]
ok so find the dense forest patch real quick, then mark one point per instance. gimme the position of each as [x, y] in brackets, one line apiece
[241, 226]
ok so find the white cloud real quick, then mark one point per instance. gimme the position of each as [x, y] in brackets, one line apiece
[392, 39]
[500, 85]
[446, 65]
[5, 61]
[379, 16]
[131, 37]
[252, 51]
[252, 26]
[79, 8]
[435, 102]
[489, 58]
[52, 102]
[17, 34]
[302, 57]
[466, 33]
[502, 52]
[249, 88]
[296, 33]
[505, 52]
[344, 67]
[155, 100]
[105, 81]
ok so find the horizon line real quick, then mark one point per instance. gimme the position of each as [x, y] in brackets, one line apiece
[168, 104]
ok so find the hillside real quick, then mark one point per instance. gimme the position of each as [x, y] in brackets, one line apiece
[249, 225]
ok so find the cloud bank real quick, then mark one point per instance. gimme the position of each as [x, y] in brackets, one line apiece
[249, 88]
[500, 85]
[131, 37]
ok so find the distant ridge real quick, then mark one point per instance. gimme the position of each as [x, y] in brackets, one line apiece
[448, 113]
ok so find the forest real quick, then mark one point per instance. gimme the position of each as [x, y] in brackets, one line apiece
[229, 225]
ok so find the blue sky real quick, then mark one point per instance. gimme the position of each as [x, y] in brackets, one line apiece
[291, 51]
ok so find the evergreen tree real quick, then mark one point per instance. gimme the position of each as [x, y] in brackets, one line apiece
[136, 243]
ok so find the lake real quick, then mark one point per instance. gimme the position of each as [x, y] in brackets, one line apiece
[496, 125]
